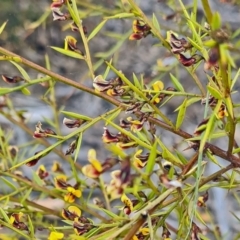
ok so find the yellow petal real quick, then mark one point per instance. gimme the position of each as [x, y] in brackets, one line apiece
[135, 237]
[75, 210]
[127, 201]
[69, 197]
[138, 163]
[97, 165]
[90, 171]
[144, 231]
[91, 155]
[158, 86]
[55, 236]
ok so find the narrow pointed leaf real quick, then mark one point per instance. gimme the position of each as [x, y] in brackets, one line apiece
[181, 114]
[3, 26]
[96, 30]
[68, 53]
[151, 159]
[176, 83]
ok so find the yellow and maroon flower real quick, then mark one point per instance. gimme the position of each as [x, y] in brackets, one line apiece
[113, 87]
[120, 179]
[57, 14]
[56, 167]
[179, 45]
[61, 182]
[35, 160]
[187, 62]
[202, 200]
[71, 148]
[139, 160]
[71, 213]
[214, 56]
[17, 220]
[109, 137]
[222, 112]
[75, 123]
[71, 44]
[127, 209]
[140, 30]
[42, 172]
[95, 168]
[158, 86]
[122, 140]
[81, 228]
[14, 79]
[41, 133]
[72, 192]
[142, 233]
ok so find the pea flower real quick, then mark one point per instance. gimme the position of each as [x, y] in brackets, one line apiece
[140, 30]
[113, 87]
[202, 200]
[179, 45]
[14, 79]
[56, 167]
[187, 62]
[17, 220]
[76, 123]
[71, 44]
[135, 125]
[139, 160]
[120, 179]
[72, 192]
[41, 133]
[42, 172]
[35, 160]
[143, 232]
[95, 168]
[122, 140]
[128, 204]
[71, 213]
[158, 86]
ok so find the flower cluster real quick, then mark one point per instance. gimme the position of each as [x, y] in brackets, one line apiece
[182, 45]
[112, 87]
[80, 224]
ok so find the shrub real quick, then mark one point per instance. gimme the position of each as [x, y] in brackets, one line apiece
[149, 180]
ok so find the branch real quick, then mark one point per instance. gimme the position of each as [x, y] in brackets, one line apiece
[214, 149]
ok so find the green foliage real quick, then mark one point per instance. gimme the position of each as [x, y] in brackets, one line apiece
[153, 179]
